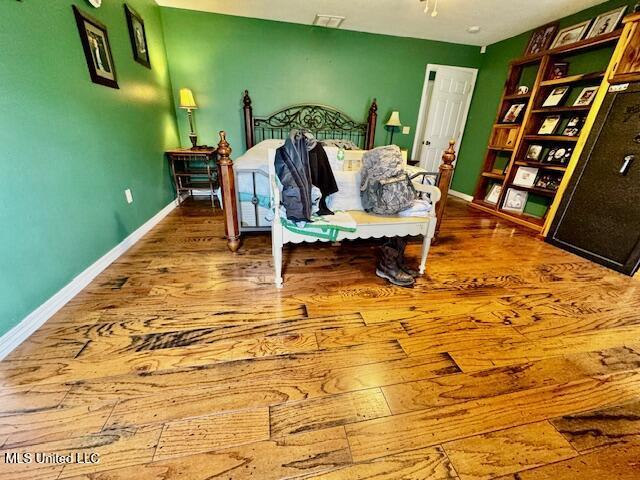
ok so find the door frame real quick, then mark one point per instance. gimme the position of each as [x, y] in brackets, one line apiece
[422, 116]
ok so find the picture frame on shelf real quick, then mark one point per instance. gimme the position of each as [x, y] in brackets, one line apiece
[559, 156]
[533, 153]
[586, 97]
[526, 176]
[574, 126]
[606, 22]
[514, 113]
[570, 35]
[97, 49]
[549, 125]
[541, 39]
[138, 36]
[549, 181]
[515, 200]
[494, 194]
[559, 70]
[556, 97]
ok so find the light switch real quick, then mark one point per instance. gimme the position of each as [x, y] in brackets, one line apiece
[128, 195]
[406, 130]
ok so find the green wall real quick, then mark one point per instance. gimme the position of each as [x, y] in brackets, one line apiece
[70, 147]
[281, 64]
[491, 80]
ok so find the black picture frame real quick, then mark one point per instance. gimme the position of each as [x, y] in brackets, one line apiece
[94, 38]
[541, 39]
[138, 36]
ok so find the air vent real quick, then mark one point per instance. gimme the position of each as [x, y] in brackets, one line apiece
[329, 21]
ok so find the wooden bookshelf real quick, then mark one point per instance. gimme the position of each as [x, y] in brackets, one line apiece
[509, 142]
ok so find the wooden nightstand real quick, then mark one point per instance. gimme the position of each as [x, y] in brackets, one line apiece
[194, 169]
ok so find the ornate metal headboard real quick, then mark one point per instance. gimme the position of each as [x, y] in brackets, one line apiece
[324, 122]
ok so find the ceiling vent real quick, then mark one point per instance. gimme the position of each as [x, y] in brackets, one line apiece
[328, 21]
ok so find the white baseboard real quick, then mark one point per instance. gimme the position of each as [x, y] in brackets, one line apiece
[463, 196]
[35, 319]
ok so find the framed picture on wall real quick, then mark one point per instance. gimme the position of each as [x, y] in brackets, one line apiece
[571, 34]
[606, 22]
[540, 39]
[138, 36]
[97, 50]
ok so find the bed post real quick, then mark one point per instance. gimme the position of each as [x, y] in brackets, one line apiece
[444, 181]
[371, 125]
[248, 119]
[228, 188]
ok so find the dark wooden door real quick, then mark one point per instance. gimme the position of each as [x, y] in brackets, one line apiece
[599, 217]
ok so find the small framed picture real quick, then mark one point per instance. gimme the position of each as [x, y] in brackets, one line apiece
[534, 152]
[574, 127]
[494, 194]
[559, 70]
[540, 39]
[606, 22]
[97, 50]
[571, 34]
[549, 125]
[550, 181]
[525, 176]
[559, 155]
[586, 97]
[556, 97]
[515, 200]
[138, 36]
[514, 113]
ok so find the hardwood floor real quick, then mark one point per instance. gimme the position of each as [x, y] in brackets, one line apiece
[509, 359]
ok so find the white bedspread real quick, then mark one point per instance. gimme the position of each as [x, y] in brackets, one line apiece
[347, 198]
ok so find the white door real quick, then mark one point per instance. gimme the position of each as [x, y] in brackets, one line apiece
[443, 112]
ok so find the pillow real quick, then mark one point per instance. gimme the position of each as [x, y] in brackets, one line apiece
[338, 143]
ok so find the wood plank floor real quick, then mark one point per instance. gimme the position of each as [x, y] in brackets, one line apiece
[509, 359]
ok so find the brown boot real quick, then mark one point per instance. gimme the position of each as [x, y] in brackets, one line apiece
[388, 268]
[401, 244]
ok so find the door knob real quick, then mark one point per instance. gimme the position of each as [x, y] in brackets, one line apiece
[626, 164]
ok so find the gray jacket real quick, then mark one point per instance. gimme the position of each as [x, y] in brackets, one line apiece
[294, 172]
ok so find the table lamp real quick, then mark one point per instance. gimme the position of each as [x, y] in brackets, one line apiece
[393, 122]
[189, 104]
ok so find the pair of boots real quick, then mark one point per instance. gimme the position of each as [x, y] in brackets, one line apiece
[392, 266]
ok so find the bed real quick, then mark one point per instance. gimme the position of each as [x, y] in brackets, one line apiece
[268, 132]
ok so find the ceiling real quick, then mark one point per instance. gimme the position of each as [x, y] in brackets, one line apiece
[498, 19]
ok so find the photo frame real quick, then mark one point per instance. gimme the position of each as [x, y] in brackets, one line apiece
[574, 126]
[606, 22]
[541, 39]
[97, 49]
[586, 97]
[515, 200]
[494, 194]
[559, 155]
[549, 125]
[533, 153]
[514, 113]
[556, 96]
[559, 70]
[138, 36]
[549, 181]
[526, 176]
[571, 34]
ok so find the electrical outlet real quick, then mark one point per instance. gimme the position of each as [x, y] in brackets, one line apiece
[406, 130]
[128, 195]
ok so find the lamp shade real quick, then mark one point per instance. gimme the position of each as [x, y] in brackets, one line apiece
[394, 120]
[186, 99]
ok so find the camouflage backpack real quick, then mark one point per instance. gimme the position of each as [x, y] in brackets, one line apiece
[385, 188]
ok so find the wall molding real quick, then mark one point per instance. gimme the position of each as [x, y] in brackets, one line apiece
[19, 333]
[463, 196]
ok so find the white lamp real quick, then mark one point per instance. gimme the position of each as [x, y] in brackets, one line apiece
[393, 122]
[189, 104]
